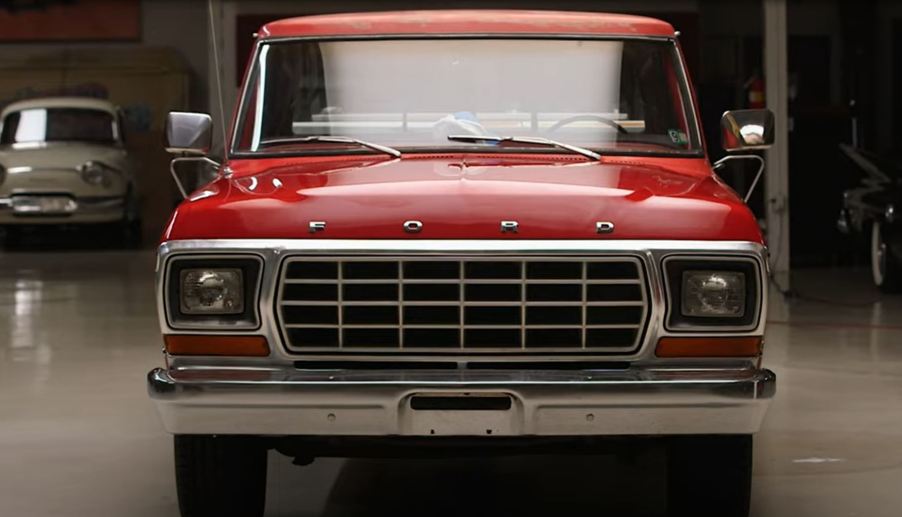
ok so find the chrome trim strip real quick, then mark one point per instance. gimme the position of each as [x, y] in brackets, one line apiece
[691, 111]
[444, 246]
[258, 112]
[461, 296]
[272, 251]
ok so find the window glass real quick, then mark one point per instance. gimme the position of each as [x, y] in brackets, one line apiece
[58, 125]
[616, 95]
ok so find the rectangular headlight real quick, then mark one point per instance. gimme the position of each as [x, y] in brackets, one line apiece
[208, 291]
[713, 294]
[211, 291]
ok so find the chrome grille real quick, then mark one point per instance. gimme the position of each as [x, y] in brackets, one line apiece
[470, 304]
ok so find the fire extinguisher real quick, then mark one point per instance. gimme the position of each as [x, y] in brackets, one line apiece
[755, 89]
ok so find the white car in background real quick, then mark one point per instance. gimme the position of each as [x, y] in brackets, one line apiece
[63, 161]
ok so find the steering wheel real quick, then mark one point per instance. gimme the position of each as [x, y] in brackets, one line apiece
[587, 118]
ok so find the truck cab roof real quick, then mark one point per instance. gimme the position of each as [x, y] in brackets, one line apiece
[468, 22]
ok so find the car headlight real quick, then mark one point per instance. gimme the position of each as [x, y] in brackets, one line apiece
[713, 294]
[96, 173]
[212, 292]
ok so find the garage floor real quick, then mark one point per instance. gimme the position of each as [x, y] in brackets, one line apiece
[79, 437]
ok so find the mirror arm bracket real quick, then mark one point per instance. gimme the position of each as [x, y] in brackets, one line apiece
[187, 159]
[719, 164]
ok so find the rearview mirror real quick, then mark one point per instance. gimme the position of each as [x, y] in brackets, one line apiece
[747, 130]
[189, 133]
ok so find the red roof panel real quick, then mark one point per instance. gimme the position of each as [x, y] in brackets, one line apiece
[467, 22]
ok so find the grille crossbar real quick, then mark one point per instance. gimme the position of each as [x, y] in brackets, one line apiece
[465, 304]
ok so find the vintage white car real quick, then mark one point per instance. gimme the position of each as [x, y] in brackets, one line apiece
[63, 161]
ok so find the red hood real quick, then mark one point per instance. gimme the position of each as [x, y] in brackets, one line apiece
[466, 197]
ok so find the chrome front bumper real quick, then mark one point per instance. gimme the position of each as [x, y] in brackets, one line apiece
[288, 401]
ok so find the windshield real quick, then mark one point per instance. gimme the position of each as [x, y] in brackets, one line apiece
[36, 125]
[615, 96]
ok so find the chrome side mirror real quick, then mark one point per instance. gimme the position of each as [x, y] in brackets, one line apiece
[747, 130]
[189, 133]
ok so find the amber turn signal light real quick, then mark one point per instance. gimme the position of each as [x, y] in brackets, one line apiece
[245, 346]
[709, 346]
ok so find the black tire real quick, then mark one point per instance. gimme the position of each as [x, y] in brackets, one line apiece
[220, 476]
[886, 266]
[709, 476]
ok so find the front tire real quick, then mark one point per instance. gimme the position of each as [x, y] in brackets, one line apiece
[886, 267]
[220, 476]
[709, 476]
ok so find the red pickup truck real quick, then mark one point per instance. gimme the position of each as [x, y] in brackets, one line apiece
[483, 230]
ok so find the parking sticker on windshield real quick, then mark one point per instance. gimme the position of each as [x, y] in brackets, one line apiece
[678, 137]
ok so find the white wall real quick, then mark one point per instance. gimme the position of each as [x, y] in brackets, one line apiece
[181, 24]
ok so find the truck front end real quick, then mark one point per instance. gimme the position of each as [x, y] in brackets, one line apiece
[441, 232]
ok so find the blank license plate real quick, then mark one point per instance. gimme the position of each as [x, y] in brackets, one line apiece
[43, 205]
[450, 414]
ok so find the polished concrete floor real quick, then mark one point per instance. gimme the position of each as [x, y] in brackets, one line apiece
[79, 437]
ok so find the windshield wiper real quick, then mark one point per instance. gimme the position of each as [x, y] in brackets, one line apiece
[335, 140]
[526, 140]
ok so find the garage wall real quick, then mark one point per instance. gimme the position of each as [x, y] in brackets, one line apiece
[178, 24]
[147, 77]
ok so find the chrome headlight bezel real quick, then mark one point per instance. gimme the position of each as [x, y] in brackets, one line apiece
[251, 268]
[676, 321]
